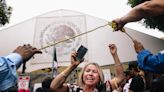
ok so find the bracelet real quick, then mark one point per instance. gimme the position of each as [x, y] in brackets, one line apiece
[118, 64]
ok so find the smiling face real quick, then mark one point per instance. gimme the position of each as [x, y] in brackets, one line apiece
[91, 75]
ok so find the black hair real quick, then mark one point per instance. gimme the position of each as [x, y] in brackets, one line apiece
[47, 82]
[133, 65]
[127, 72]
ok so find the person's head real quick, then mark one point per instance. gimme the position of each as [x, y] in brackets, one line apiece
[91, 75]
[47, 82]
[133, 67]
[40, 89]
[127, 75]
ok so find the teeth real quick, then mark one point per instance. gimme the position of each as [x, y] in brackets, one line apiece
[89, 78]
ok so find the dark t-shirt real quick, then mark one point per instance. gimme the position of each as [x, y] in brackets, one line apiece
[137, 84]
[157, 85]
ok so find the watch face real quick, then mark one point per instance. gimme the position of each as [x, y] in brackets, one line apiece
[56, 33]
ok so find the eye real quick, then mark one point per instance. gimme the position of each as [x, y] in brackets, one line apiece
[88, 70]
[94, 71]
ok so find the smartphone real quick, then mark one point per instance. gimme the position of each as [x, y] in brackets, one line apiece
[81, 53]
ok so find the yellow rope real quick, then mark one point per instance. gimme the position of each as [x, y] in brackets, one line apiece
[113, 25]
[73, 37]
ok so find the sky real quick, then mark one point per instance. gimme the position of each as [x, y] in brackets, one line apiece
[104, 9]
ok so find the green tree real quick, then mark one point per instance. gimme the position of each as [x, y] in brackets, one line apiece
[5, 13]
[151, 22]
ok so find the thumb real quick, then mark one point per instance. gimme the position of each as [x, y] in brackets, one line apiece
[135, 41]
[37, 51]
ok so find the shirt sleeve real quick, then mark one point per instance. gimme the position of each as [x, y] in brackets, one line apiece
[8, 73]
[15, 58]
[149, 62]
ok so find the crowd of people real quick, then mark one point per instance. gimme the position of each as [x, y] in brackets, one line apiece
[143, 75]
[91, 78]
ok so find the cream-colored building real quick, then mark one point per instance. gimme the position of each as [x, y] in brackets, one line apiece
[54, 26]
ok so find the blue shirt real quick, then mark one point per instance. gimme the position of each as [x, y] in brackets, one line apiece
[8, 66]
[149, 62]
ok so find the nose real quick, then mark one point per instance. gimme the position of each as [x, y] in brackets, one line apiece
[90, 73]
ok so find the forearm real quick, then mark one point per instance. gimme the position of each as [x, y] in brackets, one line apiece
[118, 65]
[60, 79]
[135, 14]
[143, 10]
[115, 82]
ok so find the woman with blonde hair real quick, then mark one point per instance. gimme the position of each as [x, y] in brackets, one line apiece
[91, 78]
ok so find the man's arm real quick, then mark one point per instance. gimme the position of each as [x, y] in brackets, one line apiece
[11, 62]
[26, 52]
[149, 62]
[21, 55]
[15, 59]
[143, 10]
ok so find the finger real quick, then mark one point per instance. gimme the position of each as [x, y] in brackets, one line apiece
[28, 45]
[111, 45]
[19, 47]
[82, 60]
[73, 53]
[135, 41]
[37, 51]
[117, 29]
[34, 48]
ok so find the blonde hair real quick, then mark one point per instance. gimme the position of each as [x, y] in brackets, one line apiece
[101, 75]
